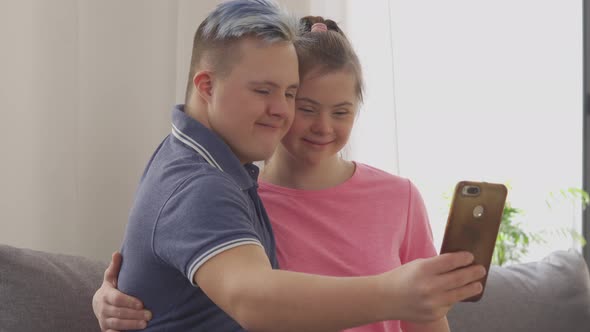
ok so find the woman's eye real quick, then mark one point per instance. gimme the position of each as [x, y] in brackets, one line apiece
[306, 110]
[341, 113]
[290, 95]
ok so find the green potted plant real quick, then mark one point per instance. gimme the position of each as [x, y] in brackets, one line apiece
[513, 240]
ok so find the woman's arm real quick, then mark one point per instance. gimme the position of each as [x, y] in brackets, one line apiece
[115, 310]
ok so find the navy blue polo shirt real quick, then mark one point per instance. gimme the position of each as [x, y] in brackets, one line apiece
[194, 201]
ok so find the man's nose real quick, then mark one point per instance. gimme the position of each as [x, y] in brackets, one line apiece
[280, 107]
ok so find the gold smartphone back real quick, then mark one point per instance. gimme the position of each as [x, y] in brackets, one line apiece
[474, 222]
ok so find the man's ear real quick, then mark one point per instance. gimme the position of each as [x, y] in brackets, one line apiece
[203, 84]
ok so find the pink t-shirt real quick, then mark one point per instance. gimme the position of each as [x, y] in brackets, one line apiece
[370, 224]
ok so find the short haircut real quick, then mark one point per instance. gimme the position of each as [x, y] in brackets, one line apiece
[216, 40]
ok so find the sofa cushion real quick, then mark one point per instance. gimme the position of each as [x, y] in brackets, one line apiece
[549, 295]
[41, 291]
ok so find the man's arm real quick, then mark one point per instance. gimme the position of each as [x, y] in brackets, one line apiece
[242, 282]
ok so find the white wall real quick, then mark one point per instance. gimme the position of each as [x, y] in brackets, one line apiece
[85, 96]
[86, 91]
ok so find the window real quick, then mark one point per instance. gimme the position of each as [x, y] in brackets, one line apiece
[474, 90]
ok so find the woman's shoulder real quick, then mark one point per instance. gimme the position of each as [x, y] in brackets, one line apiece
[384, 182]
[369, 172]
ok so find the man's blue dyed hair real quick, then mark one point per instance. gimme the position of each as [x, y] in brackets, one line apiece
[231, 21]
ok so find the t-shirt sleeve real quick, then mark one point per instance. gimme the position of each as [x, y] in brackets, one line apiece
[417, 242]
[204, 217]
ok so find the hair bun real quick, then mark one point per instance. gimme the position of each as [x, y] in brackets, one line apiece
[333, 26]
[308, 21]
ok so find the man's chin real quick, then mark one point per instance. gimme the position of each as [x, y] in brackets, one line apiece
[263, 156]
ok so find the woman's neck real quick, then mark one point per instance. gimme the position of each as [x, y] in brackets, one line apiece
[284, 170]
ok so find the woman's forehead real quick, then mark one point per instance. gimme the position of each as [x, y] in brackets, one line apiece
[336, 87]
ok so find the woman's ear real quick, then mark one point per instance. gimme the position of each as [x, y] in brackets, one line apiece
[203, 84]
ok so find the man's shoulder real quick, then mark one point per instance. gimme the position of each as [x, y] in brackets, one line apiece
[208, 185]
[178, 179]
[176, 164]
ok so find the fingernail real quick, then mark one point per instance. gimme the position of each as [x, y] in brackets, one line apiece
[142, 325]
[147, 315]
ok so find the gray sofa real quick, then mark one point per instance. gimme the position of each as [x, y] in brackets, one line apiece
[41, 291]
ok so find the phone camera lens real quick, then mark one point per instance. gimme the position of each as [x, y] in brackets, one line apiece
[470, 190]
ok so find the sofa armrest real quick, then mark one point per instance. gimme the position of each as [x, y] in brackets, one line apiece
[41, 291]
[549, 295]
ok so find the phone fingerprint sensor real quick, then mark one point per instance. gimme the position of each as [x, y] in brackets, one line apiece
[478, 211]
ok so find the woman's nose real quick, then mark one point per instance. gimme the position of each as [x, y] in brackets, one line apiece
[322, 125]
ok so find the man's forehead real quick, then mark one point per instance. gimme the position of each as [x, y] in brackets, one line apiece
[272, 64]
[271, 83]
[256, 47]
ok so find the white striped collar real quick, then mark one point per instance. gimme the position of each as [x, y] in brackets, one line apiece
[184, 138]
[210, 147]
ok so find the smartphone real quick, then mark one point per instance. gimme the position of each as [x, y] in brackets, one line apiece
[474, 222]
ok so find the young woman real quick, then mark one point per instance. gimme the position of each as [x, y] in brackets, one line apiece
[330, 216]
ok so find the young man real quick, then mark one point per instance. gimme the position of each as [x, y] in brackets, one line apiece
[198, 248]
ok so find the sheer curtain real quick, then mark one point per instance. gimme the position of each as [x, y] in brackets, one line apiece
[481, 90]
[491, 90]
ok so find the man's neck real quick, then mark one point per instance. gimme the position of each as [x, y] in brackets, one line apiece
[197, 112]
